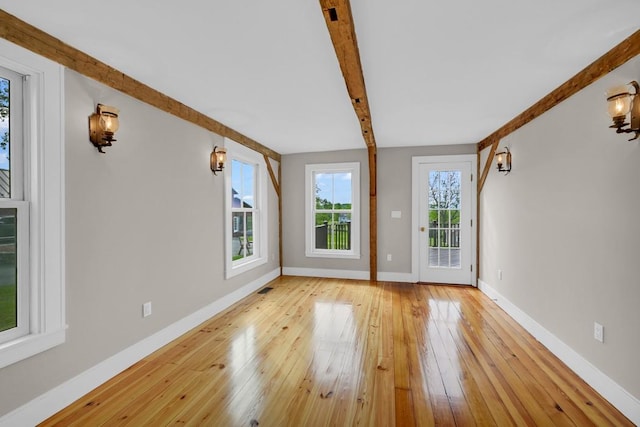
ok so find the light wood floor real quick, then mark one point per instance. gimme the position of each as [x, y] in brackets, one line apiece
[319, 352]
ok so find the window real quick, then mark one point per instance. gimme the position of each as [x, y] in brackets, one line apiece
[332, 210]
[14, 212]
[246, 212]
[31, 204]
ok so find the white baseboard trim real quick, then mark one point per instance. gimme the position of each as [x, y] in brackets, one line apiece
[47, 404]
[609, 389]
[389, 276]
[348, 274]
[325, 272]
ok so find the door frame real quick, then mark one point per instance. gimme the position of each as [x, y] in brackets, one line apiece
[416, 161]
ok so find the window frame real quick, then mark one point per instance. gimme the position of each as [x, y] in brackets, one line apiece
[260, 218]
[43, 147]
[310, 209]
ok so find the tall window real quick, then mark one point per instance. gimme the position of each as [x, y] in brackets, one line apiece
[14, 212]
[246, 209]
[332, 210]
[31, 204]
[243, 207]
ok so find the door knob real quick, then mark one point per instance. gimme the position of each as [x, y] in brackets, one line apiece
[422, 229]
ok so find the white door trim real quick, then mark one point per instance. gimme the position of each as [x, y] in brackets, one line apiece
[416, 161]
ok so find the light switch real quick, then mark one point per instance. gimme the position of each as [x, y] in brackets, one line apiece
[396, 214]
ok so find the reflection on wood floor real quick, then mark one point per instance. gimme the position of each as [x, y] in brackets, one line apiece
[326, 352]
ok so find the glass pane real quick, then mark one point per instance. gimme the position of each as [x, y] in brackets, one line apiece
[324, 190]
[433, 257]
[433, 237]
[242, 184]
[5, 187]
[8, 269]
[249, 234]
[341, 233]
[322, 230]
[455, 236]
[444, 219]
[248, 185]
[455, 178]
[455, 217]
[237, 240]
[342, 190]
[236, 184]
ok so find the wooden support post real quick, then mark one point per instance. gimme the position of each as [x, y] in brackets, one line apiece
[373, 213]
[280, 219]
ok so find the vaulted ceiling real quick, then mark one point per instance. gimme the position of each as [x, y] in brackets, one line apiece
[435, 72]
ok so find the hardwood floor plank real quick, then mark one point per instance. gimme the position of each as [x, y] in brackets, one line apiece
[486, 407]
[382, 408]
[569, 384]
[404, 407]
[326, 352]
[413, 308]
[547, 395]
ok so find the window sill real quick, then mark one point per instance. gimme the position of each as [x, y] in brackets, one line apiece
[29, 345]
[328, 254]
[245, 266]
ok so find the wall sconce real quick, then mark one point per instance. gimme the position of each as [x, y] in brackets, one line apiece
[504, 161]
[620, 104]
[218, 159]
[103, 125]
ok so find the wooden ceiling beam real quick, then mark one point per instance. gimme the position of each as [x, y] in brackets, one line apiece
[37, 41]
[337, 14]
[608, 62]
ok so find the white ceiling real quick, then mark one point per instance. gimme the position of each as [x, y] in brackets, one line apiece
[437, 72]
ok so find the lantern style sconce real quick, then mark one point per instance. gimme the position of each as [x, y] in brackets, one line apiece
[504, 161]
[218, 159]
[103, 124]
[622, 103]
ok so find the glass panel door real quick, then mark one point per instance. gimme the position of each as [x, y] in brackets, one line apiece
[445, 223]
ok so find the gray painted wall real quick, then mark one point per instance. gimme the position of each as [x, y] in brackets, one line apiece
[394, 193]
[143, 223]
[563, 227]
[293, 214]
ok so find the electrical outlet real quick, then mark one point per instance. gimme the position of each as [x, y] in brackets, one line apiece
[499, 274]
[146, 309]
[598, 332]
[389, 257]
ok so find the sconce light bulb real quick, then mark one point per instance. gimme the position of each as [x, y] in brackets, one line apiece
[619, 102]
[107, 124]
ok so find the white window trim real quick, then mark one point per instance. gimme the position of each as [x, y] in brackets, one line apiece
[310, 249]
[260, 221]
[44, 189]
